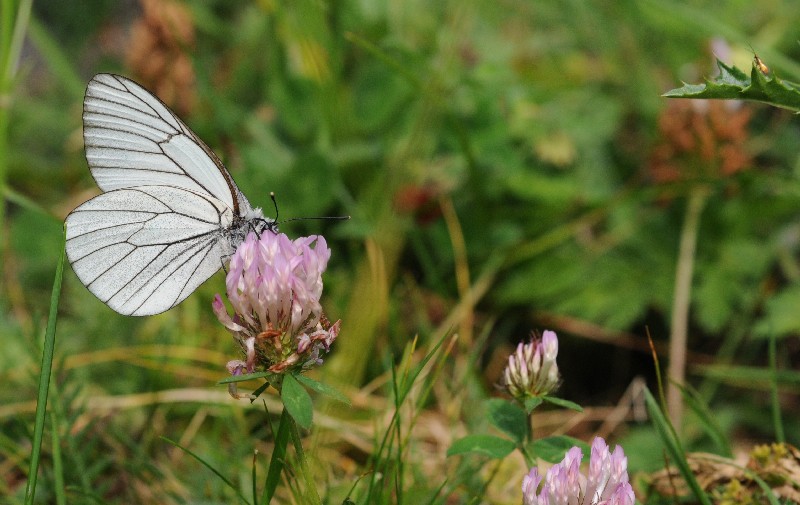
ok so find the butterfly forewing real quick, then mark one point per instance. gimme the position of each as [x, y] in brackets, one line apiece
[133, 139]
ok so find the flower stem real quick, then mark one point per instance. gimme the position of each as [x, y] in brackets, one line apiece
[525, 448]
[287, 427]
[278, 459]
[681, 301]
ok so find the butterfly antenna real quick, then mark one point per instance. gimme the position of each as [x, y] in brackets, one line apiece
[334, 218]
[275, 203]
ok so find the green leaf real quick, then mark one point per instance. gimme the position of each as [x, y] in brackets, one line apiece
[553, 449]
[734, 84]
[324, 389]
[781, 316]
[508, 418]
[260, 389]
[488, 445]
[531, 403]
[563, 403]
[297, 401]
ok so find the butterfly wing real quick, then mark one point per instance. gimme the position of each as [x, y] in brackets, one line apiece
[132, 139]
[143, 250]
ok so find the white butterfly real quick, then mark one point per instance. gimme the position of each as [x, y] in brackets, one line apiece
[170, 214]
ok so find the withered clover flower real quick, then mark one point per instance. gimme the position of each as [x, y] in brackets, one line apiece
[532, 369]
[701, 140]
[274, 285]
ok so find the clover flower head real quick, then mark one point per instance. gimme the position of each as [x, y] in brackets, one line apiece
[564, 484]
[532, 369]
[274, 285]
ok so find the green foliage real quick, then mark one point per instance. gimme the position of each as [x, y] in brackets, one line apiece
[707, 422]
[488, 445]
[563, 403]
[669, 439]
[781, 317]
[536, 123]
[734, 84]
[323, 389]
[297, 401]
[532, 402]
[552, 449]
[508, 418]
[209, 466]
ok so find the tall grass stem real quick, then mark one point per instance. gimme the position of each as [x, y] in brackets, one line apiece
[44, 379]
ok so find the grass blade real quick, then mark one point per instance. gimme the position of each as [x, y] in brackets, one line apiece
[773, 389]
[254, 476]
[706, 418]
[58, 463]
[44, 379]
[673, 447]
[310, 486]
[208, 465]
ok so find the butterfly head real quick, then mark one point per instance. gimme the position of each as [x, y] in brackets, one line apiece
[255, 221]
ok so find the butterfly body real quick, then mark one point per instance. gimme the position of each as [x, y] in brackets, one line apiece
[170, 213]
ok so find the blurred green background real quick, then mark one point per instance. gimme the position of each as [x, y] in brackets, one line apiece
[508, 166]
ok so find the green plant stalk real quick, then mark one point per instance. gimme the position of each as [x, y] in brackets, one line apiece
[310, 493]
[59, 63]
[400, 392]
[681, 300]
[254, 478]
[730, 346]
[437, 493]
[666, 430]
[278, 459]
[382, 56]
[527, 454]
[12, 48]
[58, 463]
[706, 420]
[673, 446]
[775, 400]
[398, 464]
[6, 29]
[44, 378]
[378, 468]
[386, 442]
[77, 459]
[208, 465]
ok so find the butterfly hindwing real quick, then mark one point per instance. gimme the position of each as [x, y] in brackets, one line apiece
[143, 250]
